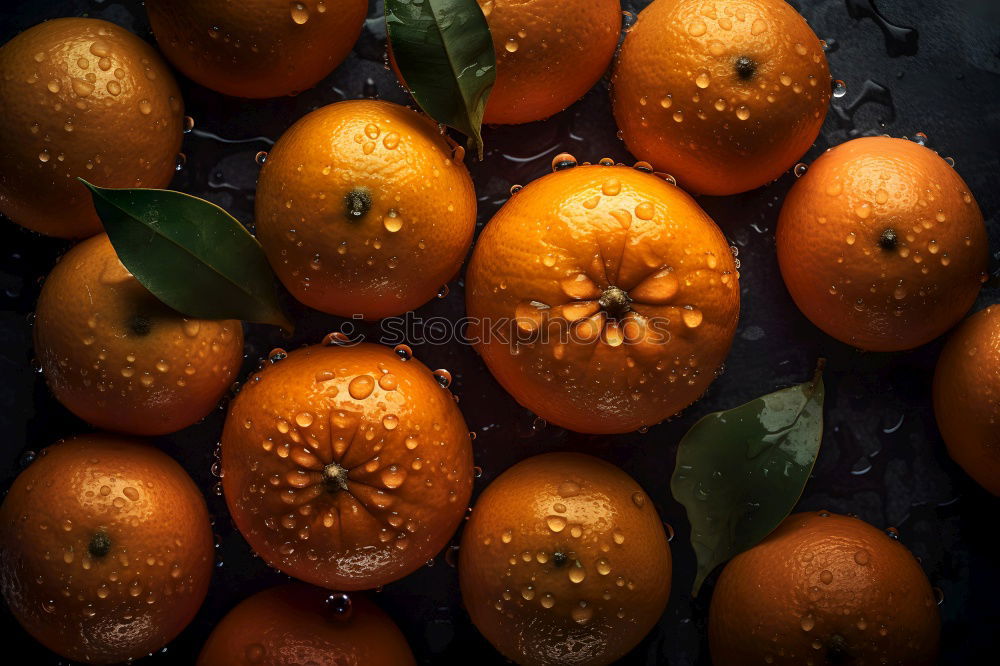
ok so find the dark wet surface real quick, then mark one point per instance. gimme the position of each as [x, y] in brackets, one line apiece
[918, 66]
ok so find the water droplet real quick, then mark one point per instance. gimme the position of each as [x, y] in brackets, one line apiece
[742, 112]
[800, 169]
[703, 80]
[691, 316]
[563, 161]
[577, 573]
[340, 604]
[403, 352]
[188, 124]
[862, 557]
[361, 387]
[511, 46]
[392, 221]
[638, 499]
[838, 88]
[556, 523]
[145, 108]
[277, 354]
[514, 189]
[299, 12]
[443, 377]
[260, 157]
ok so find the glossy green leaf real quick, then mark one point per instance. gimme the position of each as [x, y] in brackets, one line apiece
[191, 254]
[444, 51]
[740, 472]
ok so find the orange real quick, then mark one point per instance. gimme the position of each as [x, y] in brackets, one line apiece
[256, 48]
[364, 208]
[82, 98]
[299, 624]
[724, 95]
[105, 549]
[824, 589]
[881, 244]
[967, 397]
[549, 53]
[602, 298]
[564, 561]
[120, 359]
[346, 467]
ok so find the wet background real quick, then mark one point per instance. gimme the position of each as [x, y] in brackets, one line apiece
[927, 66]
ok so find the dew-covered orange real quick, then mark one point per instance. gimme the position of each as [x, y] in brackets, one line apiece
[346, 467]
[602, 298]
[319, 629]
[82, 98]
[119, 358]
[256, 48]
[723, 95]
[967, 397]
[364, 208]
[548, 52]
[105, 549]
[881, 244]
[564, 561]
[824, 589]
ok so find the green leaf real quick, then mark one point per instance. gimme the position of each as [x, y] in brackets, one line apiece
[740, 472]
[444, 51]
[191, 254]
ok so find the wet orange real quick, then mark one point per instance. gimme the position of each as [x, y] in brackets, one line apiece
[881, 244]
[824, 589]
[256, 48]
[967, 397]
[364, 208]
[602, 298]
[105, 549]
[346, 467]
[549, 53]
[724, 95]
[564, 561]
[120, 359]
[304, 625]
[82, 98]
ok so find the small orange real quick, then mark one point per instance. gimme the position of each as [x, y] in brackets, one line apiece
[82, 98]
[725, 95]
[105, 549]
[298, 624]
[364, 208]
[564, 561]
[824, 589]
[256, 48]
[602, 298]
[346, 467]
[881, 244]
[120, 359]
[549, 53]
[967, 397]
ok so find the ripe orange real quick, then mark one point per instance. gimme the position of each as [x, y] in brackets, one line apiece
[549, 53]
[881, 244]
[602, 298]
[346, 467]
[82, 98]
[564, 561]
[260, 48]
[824, 589]
[105, 549]
[120, 359]
[364, 208]
[967, 397]
[308, 625]
[725, 95]
[298, 624]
